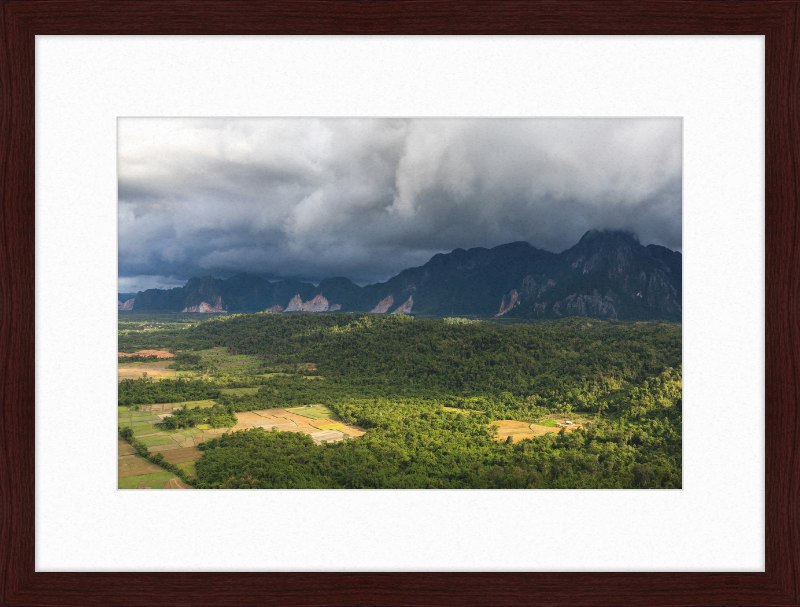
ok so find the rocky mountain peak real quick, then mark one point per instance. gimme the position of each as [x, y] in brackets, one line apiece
[596, 239]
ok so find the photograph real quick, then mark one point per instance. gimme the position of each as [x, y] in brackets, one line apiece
[399, 303]
[402, 245]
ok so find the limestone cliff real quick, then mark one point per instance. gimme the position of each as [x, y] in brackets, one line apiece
[383, 306]
[318, 304]
[508, 302]
[406, 307]
[295, 304]
[205, 308]
[126, 305]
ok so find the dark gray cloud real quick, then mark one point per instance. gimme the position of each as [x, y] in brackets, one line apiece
[365, 198]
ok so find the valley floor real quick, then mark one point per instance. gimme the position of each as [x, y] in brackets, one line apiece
[398, 402]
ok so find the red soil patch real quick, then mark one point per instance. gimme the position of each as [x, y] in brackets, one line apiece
[158, 353]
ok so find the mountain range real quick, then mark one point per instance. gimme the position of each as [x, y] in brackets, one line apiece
[607, 274]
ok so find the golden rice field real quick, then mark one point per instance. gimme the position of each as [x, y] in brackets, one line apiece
[522, 430]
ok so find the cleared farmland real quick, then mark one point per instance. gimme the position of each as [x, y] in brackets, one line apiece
[427, 390]
[179, 447]
[313, 412]
[134, 482]
[327, 429]
[518, 430]
[157, 353]
[156, 370]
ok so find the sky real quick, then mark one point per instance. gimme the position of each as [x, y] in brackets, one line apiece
[366, 198]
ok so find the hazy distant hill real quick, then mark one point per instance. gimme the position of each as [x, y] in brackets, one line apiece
[607, 274]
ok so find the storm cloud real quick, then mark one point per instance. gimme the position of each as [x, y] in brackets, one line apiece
[366, 198]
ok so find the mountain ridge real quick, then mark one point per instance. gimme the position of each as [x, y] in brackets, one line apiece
[606, 274]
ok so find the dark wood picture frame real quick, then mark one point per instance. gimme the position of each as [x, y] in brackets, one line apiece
[778, 21]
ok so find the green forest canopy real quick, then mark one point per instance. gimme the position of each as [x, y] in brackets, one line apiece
[393, 375]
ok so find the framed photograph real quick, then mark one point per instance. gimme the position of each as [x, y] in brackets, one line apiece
[115, 115]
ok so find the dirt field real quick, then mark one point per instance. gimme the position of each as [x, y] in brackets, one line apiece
[312, 412]
[522, 430]
[263, 419]
[158, 353]
[353, 431]
[255, 417]
[542, 430]
[133, 465]
[326, 436]
[136, 370]
[509, 427]
[178, 456]
[287, 420]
